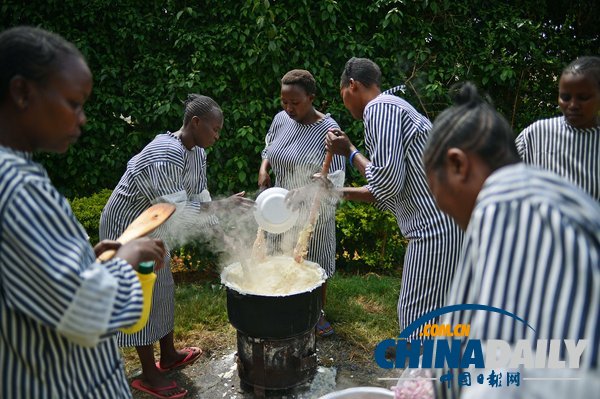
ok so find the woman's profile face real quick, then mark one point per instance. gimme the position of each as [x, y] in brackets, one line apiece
[296, 102]
[54, 115]
[443, 193]
[208, 128]
[448, 190]
[350, 99]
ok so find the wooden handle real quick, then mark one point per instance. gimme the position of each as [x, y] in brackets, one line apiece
[106, 255]
[326, 163]
[143, 225]
[314, 211]
[300, 249]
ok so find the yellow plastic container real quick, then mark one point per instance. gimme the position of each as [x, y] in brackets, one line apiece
[147, 278]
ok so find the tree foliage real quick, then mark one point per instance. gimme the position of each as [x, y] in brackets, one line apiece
[147, 56]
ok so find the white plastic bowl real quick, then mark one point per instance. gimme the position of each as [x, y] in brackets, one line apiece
[361, 393]
[272, 213]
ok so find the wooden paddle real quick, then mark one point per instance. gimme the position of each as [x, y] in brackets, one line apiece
[144, 224]
[301, 248]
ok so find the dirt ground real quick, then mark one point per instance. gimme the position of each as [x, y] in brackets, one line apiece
[340, 365]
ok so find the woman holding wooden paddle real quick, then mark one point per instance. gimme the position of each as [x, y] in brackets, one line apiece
[59, 308]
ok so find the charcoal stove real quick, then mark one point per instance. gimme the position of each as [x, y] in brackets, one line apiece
[276, 339]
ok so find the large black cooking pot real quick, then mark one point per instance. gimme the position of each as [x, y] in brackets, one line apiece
[274, 316]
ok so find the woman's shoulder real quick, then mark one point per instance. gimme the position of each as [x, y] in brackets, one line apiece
[281, 116]
[164, 148]
[544, 126]
[329, 122]
[280, 119]
[17, 168]
[387, 103]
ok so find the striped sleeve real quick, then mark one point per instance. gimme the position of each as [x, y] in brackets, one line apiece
[51, 274]
[270, 136]
[521, 145]
[386, 173]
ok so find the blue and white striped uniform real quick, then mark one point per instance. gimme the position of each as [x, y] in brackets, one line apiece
[395, 136]
[553, 144]
[532, 248]
[59, 309]
[164, 171]
[296, 152]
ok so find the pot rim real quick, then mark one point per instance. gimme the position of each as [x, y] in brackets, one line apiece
[230, 286]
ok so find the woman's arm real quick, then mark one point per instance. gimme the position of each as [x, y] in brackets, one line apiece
[50, 272]
[264, 179]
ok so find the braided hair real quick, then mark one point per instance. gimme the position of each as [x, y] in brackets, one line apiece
[200, 106]
[588, 66]
[471, 124]
[362, 70]
[33, 53]
[302, 78]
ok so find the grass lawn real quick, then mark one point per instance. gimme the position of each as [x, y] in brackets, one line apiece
[362, 309]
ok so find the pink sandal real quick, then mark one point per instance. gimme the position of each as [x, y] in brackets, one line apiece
[193, 353]
[158, 392]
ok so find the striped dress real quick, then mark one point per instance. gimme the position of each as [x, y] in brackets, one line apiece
[395, 136]
[58, 308]
[164, 171]
[553, 144]
[532, 248]
[296, 152]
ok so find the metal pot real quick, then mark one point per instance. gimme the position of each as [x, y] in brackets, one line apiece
[274, 316]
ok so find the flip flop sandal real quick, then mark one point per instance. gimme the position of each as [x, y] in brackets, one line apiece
[159, 392]
[325, 330]
[193, 353]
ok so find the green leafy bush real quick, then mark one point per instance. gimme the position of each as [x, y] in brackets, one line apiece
[88, 210]
[147, 56]
[368, 239]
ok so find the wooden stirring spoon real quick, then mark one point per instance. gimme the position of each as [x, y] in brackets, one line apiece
[301, 248]
[143, 225]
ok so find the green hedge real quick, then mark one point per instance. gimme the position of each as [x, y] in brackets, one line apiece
[88, 210]
[368, 239]
[146, 56]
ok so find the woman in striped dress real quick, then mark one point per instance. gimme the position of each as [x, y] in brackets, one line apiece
[569, 145]
[171, 168]
[395, 134]
[295, 151]
[59, 308]
[532, 246]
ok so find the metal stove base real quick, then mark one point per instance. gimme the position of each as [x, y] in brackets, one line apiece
[266, 364]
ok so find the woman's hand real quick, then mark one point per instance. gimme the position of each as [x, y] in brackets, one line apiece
[106, 245]
[240, 201]
[264, 180]
[142, 250]
[338, 143]
[323, 181]
[235, 202]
